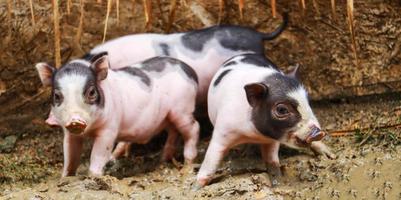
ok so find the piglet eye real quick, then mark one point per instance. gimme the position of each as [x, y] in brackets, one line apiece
[57, 97]
[91, 95]
[281, 111]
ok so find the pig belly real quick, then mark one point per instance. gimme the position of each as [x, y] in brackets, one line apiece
[141, 135]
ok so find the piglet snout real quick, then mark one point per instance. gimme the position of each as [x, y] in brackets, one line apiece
[77, 125]
[315, 135]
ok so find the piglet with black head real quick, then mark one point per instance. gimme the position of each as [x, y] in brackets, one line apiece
[131, 104]
[252, 101]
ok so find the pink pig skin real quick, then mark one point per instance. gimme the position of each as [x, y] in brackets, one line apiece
[133, 114]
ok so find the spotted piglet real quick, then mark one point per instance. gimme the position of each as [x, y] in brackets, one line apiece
[251, 101]
[132, 104]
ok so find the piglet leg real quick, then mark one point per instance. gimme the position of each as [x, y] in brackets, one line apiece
[72, 146]
[189, 128]
[171, 144]
[101, 152]
[218, 147]
[270, 157]
[122, 149]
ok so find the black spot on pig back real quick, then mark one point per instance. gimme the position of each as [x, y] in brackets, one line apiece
[195, 40]
[239, 38]
[235, 38]
[220, 77]
[165, 49]
[259, 60]
[137, 72]
[189, 72]
[158, 64]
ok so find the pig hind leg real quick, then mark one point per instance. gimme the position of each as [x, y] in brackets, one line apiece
[171, 143]
[122, 149]
[270, 157]
[183, 120]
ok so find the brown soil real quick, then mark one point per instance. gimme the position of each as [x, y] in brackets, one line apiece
[368, 161]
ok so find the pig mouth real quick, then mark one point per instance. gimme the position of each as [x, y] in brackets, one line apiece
[76, 127]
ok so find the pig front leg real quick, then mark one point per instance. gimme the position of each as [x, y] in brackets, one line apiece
[320, 148]
[270, 157]
[171, 144]
[72, 147]
[101, 152]
[218, 147]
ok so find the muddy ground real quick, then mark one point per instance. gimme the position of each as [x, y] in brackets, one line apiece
[368, 163]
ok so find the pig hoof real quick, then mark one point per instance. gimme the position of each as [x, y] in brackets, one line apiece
[274, 175]
[196, 187]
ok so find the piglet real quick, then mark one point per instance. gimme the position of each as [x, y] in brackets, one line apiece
[130, 104]
[251, 101]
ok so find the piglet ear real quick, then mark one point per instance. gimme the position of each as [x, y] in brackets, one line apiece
[101, 66]
[255, 93]
[294, 73]
[45, 72]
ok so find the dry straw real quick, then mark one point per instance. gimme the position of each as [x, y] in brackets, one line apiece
[148, 12]
[273, 6]
[350, 14]
[69, 4]
[118, 11]
[56, 22]
[81, 22]
[32, 12]
[9, 15]
[241, 8]
[333, 9]
[107, 20]
[171, 16]
[221, 8]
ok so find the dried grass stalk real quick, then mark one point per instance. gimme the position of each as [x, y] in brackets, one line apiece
[81, 22]
[161, 16]
[273, 6]
[173, 7]
[350, 14]
[9, 15]
[32, 12]
[148, 13]
[118, 11]
[133, 7]
[99, 1]
[69, 3]
[303, 4]
[316, 7]
[241, 8]
[56, 21]
[333, 9]
[107, 20]
[221, 9]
